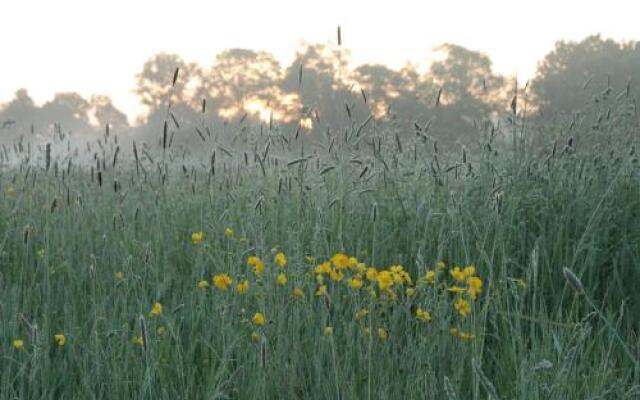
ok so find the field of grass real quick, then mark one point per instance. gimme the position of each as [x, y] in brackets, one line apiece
[367, 265]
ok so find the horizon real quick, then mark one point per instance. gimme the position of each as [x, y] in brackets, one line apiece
[106, 60]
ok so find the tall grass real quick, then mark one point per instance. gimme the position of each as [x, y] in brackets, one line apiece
[520, 215]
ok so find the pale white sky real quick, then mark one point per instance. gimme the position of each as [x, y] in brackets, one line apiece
[96, 47]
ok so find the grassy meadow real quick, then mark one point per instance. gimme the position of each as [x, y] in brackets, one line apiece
[367, 264]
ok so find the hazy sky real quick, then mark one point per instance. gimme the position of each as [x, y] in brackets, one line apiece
[96, 47]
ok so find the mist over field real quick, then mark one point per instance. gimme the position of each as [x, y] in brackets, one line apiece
[450, 101]
[325, 228]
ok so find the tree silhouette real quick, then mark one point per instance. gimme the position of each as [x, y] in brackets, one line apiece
[69, 110]
[21, 109]
[242, 81]
[319, 76]
[569, 76]
[468, 90]
[154, 83]
[19, 115]
[466, 79]
[391, 93]
[106, 113]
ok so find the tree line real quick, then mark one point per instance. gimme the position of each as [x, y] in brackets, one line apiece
[320, 90]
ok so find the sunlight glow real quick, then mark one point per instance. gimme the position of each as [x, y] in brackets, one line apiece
[306, 123]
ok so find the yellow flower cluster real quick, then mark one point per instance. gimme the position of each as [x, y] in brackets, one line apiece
[197, 237]
[259, 319]
[379, 290]
[467, 287]
[256, 263]
[281, 260]
[344, 268]
[60, 339]
[156, 310]
[222, 281]
[467, 276]
[242, 287]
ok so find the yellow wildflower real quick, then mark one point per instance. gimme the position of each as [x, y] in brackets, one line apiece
[18, 344]
[281, 260]
[352, 262]
[282, 279]
[400, 276]
[138, 340]
[372, 274]
[469, 270]
[340, 260]
[355, 283]
[60, 339]
[324, 268]
[156, 310]
[228, 233]
[222, 281]
[197, 237]
[258, 268]
[457, 274]
[475, 286]
[202, 284]
[385, 280]
[259, 319]
[256, 263]
[297, 293]
[361, 268]
[462, 306]
[423, 315]
[410, 291]
[328, 331]
[322, 290]
[242, 287]
[396, 268]
[119, 276]
[383, 334]
[336, 275]
[430, 277]
[252, 260]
